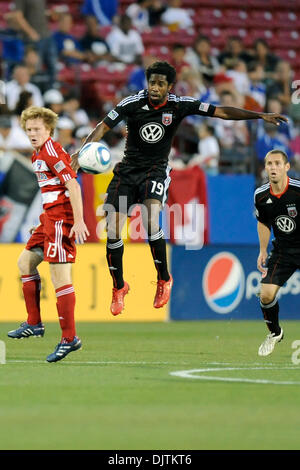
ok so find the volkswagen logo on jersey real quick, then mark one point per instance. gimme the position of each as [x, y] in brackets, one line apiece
[223, 282]
[285, 224]
[152, 132]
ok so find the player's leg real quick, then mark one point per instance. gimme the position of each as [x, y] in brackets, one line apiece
[31, 286]
[150, 213]
[120, 196]
[114, 256]
[270, 307]
[279, 270]
[60, 252]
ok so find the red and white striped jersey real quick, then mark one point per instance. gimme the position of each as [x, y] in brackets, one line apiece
[52, 166]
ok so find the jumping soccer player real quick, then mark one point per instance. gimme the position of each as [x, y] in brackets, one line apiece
[53, 240]
[152, 116]
[278, 207]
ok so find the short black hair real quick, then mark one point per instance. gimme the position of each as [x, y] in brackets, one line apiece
[281, 152]
[162, 68]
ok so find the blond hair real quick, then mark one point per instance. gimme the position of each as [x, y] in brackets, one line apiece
[34, 112]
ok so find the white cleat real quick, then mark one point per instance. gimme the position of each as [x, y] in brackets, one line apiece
[267, 347]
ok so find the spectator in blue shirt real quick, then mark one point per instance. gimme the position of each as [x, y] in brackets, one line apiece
[269, 141]
[103, 10]
[68, 47]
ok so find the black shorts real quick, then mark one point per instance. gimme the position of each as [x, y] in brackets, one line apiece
[281, 265]
[132, 185]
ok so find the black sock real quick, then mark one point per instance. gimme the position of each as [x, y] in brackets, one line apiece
[114, 256]
[270, 312]
[159, 253]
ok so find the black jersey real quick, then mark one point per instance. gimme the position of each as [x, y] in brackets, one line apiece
[281, 212]
[150, 129]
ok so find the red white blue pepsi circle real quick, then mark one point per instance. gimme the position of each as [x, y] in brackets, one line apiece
[223, 282]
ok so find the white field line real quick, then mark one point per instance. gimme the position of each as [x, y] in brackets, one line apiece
[190, 374]
[28, 361]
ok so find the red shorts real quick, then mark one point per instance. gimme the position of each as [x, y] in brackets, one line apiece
[52, 236]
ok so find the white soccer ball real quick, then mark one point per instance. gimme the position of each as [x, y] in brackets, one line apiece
[94, 158]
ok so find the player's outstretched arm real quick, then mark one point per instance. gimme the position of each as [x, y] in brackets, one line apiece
[79, 228]
[264, 234]
[236, 114]
[94, 136]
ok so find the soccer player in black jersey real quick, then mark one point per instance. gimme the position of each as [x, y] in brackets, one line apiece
[143, 176]
[278, 207]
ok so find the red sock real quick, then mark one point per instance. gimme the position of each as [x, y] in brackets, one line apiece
[31, 285]
[65, 308]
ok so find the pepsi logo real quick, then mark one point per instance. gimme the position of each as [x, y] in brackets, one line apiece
[223, 282]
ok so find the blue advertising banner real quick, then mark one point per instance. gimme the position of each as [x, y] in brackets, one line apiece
[231, 209]
[222, 282]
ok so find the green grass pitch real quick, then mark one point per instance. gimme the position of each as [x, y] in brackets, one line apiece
[117, 393]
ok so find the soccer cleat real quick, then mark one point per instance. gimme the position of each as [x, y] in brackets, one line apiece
[163, 292]
[63, 349]
[117, 303]
[27, 330]
[267, 347]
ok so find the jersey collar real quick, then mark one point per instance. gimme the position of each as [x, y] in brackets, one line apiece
[49, 138]
[159, 105]
[284, 191]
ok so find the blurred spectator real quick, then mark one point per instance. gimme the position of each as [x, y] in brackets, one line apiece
[176, 17]
[38, 76]
[281, 85]
[264, 57]
[208, 150]
[12, 137]
[190, 83]
[25, 100]
[68, 47]
[137, 79]
[156, 9]
[234, 49]
[54, 100]
[233, 136]
[221, 83]
[20, 82]
[139, 14]
[103, 10]
[269, 140]
[12, 46]
[257, 86]
[200, 58]
[72, 110]
[93, 45]
[177, 57]
[237, 70]
[284, 130]
[65, 127]
[30, 16]
[81, 134]
[125, 43]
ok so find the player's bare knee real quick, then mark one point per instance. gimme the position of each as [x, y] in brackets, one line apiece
[267, 297]
[27, 262]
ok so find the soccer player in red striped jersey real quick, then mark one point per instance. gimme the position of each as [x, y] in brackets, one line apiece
[61, 224]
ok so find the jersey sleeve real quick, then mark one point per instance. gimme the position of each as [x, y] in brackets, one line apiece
[59, 162]
[189, 105]
[259, 213]
[121, 112]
